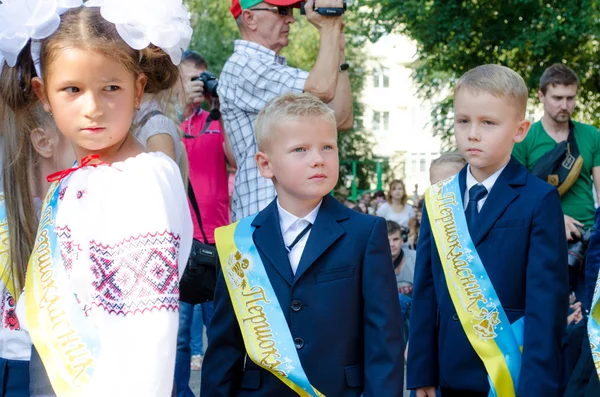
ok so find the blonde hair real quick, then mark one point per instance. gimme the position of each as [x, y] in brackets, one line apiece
[289, 107]
[497, 80]
[453, 157]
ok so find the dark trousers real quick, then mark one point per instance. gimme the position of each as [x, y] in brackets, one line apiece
[461, 393]
[584, 380]
[15, 378]
[40, 384]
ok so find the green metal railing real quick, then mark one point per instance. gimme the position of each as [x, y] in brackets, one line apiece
[354, 191]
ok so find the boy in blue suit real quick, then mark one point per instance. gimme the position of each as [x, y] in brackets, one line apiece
[306, 303]
[500, 232]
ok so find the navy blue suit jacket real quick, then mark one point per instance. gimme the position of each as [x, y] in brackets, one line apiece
[520, 237]
[592, 262]
[341, 306]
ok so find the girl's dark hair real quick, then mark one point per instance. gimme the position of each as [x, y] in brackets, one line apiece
[84, 28]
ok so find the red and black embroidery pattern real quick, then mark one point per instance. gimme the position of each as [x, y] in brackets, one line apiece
[137, 275]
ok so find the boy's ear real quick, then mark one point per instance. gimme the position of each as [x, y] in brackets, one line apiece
[522, 130]
[264, 165]
[42, 143]
[38, 87]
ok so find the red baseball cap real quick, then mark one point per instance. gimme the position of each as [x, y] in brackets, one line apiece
[238, 5]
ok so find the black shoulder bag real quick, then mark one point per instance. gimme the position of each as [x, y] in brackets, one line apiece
[199, 279]
[562, 165]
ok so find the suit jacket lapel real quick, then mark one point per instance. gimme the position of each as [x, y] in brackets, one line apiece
[325, 231]
[500, 197]
[269, 241]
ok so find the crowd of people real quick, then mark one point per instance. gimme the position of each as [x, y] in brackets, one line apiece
[125, 237]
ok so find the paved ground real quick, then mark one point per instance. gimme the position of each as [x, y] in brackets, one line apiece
[195, 384]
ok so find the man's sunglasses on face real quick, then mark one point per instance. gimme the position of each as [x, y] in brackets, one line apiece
[284, 11]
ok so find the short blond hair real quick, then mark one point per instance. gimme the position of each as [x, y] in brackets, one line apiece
[290, 107]
[497, 80]
[452, 157]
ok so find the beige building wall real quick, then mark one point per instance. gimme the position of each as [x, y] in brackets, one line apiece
[397, 117]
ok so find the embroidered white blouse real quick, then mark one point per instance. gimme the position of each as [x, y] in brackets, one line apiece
[124, 232]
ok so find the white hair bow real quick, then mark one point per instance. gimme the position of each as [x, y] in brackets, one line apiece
[164, 23]
[22, 20]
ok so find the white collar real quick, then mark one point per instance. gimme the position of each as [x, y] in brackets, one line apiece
[286, 220]
[488, 183]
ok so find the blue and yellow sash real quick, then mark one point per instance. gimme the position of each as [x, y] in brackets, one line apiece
[480, 312]
[593, 326]
[66, 340]
[6, 270]
[265, 331]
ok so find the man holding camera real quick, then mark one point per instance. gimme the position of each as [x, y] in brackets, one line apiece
[208, 153]
[256, 73]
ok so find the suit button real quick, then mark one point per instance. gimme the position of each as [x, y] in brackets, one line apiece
[296, 306]
[455, 317]
[299, 343]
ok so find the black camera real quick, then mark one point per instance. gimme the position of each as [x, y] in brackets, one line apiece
[578, 248]
[327, 11]
[210, 83]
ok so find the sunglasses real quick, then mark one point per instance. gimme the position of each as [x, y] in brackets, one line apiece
[284, 11]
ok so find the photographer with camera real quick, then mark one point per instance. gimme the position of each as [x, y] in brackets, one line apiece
[566, 154]
[208, 153]
[256, 73]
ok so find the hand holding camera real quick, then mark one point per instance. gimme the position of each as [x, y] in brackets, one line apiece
[194, 90]
[325, 14]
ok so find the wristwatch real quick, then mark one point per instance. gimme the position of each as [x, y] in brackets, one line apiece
[344, 66]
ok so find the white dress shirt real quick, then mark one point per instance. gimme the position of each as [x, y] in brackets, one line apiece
[488, 184]
[291, 227]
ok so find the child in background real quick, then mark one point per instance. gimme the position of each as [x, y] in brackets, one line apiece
[102, 287]
[445, 166]
[48, 153]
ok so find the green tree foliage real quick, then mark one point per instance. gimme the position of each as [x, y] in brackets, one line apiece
[214, 34]
[454, 36]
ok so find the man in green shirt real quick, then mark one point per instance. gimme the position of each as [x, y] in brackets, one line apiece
[558, 89]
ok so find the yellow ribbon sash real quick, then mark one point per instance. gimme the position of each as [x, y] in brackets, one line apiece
[8, 277]
[65, 339]
[266, 334]
[481, 315]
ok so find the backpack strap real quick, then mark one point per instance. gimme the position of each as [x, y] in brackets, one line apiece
[196, 208]
[146, 117]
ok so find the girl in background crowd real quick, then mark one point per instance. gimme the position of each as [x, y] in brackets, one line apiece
[396, 209]
[156, 130]
[38, 153]
[102, 288]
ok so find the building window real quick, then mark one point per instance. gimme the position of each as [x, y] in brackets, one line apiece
[413, 167]
[381, 78]
[422, 166]
[381, 121]
[376, 121]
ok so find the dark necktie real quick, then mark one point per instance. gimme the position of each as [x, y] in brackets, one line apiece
[476, 193]
[299, 237]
